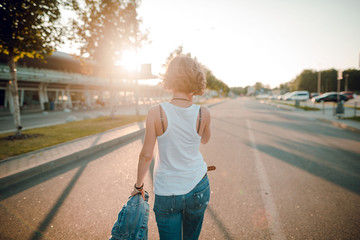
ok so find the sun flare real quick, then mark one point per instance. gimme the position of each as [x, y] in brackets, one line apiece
[129, 60]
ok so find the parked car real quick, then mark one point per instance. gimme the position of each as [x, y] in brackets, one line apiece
[314, 94]
[297, 95]
[281, 97]
[348, 94]
[272, 97]
[329, 97]
[262, 96]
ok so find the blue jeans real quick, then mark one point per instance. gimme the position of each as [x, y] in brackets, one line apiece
[181, 216]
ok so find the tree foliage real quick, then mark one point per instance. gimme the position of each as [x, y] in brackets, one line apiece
[328, 81]
[27, 28]
[259, 86]
[239, 90]
[353, 79]
[215, 84]
[308, 80]
[284, 88]
[106, 28]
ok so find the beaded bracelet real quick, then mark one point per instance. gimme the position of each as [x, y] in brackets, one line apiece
[139, 188]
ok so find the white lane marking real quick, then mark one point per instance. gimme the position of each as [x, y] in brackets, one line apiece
[275, 228]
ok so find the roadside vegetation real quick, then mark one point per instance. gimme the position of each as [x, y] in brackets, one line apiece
[352, 106]
[39, 138]
[305, 108]
[354, 118]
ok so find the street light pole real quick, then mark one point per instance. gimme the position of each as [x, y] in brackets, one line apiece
[346, 81]
[319, 82]
[340, 105]
[338, 85]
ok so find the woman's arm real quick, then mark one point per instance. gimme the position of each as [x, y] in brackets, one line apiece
[146, 153]
[206, 133]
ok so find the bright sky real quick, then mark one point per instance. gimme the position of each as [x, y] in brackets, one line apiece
[247, 41]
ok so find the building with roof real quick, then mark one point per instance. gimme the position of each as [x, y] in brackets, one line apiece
[63, 81]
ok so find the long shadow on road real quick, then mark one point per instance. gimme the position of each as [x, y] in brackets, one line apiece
[339, 176]
[336, 165]
[50, 216]
[341, 159]
[312, 127]
[80, 164]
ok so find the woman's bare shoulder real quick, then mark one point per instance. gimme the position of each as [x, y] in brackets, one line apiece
[205, 112]
[154, 111]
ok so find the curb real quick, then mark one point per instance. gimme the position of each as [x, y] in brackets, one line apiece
[284, 107]
[214, 104]
[40, 169]
[337, 124]
[31, 172]
[340, 125]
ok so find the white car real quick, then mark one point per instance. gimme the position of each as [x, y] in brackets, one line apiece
[297, 95]
[281, 97]
[262, 96]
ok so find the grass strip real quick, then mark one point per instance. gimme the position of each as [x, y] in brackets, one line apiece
[52, 135]
[351, 106]
[354, 118]
[306, 108]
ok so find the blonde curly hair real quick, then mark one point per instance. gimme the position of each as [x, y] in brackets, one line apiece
[186, 75]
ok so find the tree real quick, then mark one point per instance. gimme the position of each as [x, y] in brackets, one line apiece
[308, 80]
[258, 86]
[27, 28]
[329, 80]
[284, 88]
[215, 84]
[238, 90]
[352, 81]
[106, 28]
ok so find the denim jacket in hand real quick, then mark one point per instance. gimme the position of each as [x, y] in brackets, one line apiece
[132, 222]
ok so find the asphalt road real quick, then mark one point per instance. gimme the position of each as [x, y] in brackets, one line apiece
[279, 176]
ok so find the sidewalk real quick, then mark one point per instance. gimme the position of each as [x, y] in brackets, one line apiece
[19, 168]
[22, 167]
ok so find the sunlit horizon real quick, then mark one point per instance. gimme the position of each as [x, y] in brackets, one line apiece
[244, 42]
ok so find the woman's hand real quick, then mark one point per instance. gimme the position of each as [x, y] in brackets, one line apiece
[138, 191]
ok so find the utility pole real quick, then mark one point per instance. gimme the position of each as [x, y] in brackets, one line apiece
[340, 105]
[338, 84]
[346, 81]
[319, 82]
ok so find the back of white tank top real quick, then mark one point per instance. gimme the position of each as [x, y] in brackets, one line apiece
[179, 165]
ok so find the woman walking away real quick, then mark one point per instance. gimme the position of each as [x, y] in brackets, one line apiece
[181, 185]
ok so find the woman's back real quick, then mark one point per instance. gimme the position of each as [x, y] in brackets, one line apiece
[179, 160]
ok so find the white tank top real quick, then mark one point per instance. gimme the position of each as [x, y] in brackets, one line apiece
[179, 166]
